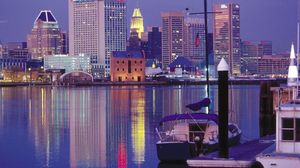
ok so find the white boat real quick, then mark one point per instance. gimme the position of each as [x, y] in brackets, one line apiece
[191, 135]
[287, 153]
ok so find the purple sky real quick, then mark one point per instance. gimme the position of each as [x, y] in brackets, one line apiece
[273, 20]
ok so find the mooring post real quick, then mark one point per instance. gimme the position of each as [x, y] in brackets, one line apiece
[223, 69]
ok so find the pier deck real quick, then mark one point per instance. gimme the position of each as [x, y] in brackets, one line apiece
[242, 155]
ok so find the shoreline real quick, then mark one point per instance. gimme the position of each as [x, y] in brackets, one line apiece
[150, 83]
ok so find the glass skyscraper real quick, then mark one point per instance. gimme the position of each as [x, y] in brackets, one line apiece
[227, 36]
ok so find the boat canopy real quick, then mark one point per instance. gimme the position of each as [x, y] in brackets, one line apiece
[196, 116]
[197, 106]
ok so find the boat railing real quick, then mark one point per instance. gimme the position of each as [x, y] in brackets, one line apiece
[165, 136]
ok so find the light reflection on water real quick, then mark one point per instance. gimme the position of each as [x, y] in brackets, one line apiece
[101, 126]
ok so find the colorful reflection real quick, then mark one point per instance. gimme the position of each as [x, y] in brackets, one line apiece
[87, 128]
[138, 124]
[104, 127]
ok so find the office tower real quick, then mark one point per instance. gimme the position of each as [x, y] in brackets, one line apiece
[45, 37]
[251, 53]
[87, 33]
[115, 29]
[274, 65]
[65, 43]
[249, 57]
[265, 48]
[134, 42]
[154, 43]
[172, 37]
[226, 31]
[137, 23]
[194, 39]
[97, 28]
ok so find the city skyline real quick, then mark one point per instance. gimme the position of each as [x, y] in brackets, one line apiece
[266, 15]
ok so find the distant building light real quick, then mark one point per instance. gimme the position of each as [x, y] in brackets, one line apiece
[223, 6]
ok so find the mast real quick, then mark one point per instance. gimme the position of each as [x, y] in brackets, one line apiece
[298, 18]
[206, 46]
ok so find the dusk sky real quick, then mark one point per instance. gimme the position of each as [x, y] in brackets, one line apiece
[273, 20]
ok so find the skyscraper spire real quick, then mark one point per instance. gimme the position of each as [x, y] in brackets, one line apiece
[137, 23]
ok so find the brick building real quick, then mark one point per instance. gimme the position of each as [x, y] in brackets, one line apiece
[127, 66]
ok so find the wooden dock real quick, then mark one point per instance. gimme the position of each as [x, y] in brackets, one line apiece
[242, 155]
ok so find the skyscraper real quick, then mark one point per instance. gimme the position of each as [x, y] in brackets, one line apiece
[251, 54]
[137, 22]
[45, 37]
[134, 42]
[265, 48]
[86, 31]
[154, 43]
[172, 37]
[249, 57]
[96, 28]
[115, 29]
[193, 29]
[226, 27]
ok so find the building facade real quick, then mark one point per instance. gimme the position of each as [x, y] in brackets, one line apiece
[265, 48]
[87, 31]
[15, 50]
[226, 32]
[274, 65]
[127, 66]
[154, 44]
[68, 63]
[96, 28]
[172, 37]
[45, 37]
[137, 23]
[251, 53]
[134, 42]
[115, 29]
[194, 29]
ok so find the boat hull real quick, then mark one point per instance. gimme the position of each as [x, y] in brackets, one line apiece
[175, 151]
[181, 151]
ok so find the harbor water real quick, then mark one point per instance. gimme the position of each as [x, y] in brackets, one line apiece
[106, 127]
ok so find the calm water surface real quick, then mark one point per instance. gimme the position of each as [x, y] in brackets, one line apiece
[101, 126]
